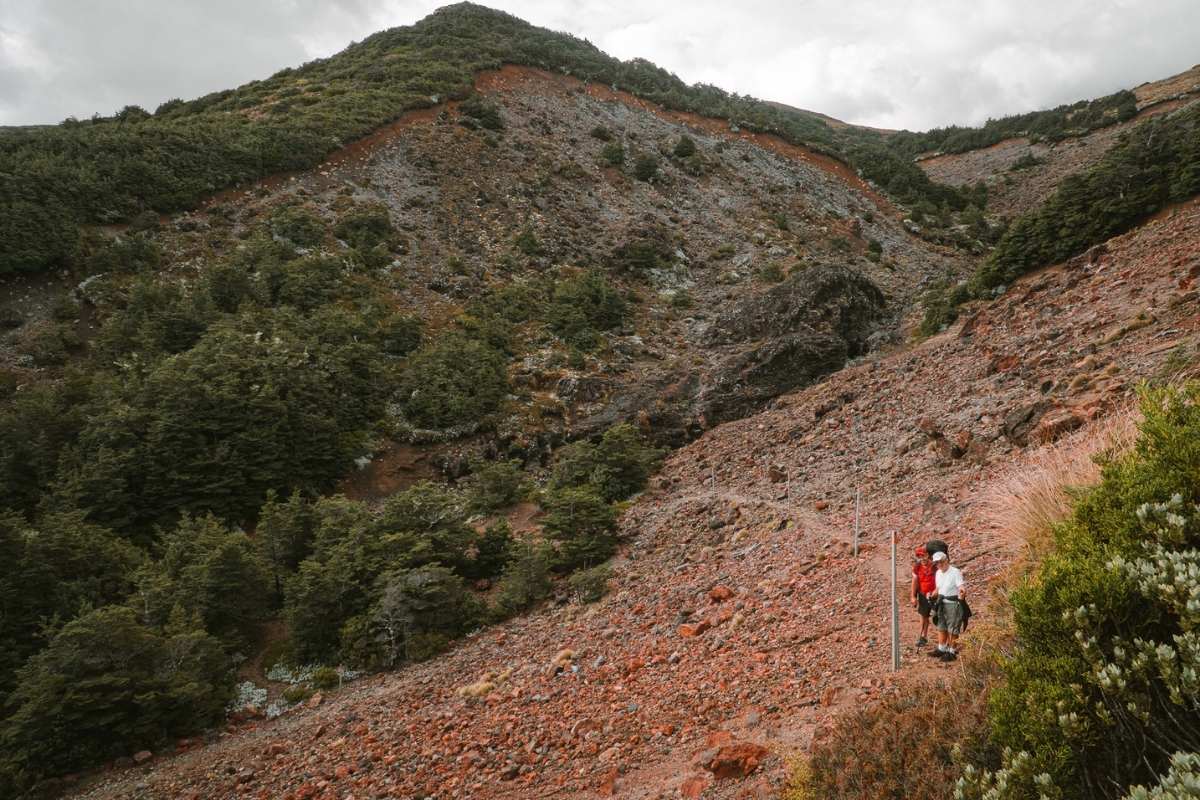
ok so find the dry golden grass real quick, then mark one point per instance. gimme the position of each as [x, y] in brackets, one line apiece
[1036, 494]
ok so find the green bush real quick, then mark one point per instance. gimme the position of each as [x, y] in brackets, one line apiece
[1098, 695]
[324, 678]
[590, 585]
[613, 154]
[481, 112]
[211, 573]
[645, 249]
[685, 147]
[602, 133]
[215, 428]
[284, 536]
[365, 226]
[645, 168]
[615, 468]
[52, 569]
[526, 578]
[453, 381]
[106, 686]
[495, 485]
[583, 306]
[419, 610]
[527, 242]
[297, 693]
[582, 523]
[298, 225]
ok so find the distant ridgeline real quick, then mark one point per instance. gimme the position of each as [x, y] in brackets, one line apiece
[1151, 166]
[111, 169]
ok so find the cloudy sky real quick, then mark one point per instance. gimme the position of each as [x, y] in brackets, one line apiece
[890, 63]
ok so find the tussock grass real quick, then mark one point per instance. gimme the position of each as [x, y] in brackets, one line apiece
[1034, 495]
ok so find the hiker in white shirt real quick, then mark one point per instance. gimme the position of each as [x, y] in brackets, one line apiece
[951, 594]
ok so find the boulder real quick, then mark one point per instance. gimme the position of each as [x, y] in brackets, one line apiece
[1021, 421]
[736, 760]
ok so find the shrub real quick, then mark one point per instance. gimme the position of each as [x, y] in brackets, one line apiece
[685, 147]
[613, 154]
[297, 225]
[1096, 696]
[106, 686]
[581, 307]
[297, 693]
[310, 282]
[645, 168]
[453, 381]
[481, 112]
[590, 585]
[615, 468]
[582, 523]
[526, 578]
[527, 242]
[52, 569]
[941, 302]
[644, 250]
[399, 334]
[325, 678]
[419, 610]
[209, 572]
[904, 745]
[771, 273]
[495, 485]
[284, 536]
[602, 133]
[365, 227]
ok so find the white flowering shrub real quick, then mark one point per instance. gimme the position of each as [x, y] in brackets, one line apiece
[1103, 692]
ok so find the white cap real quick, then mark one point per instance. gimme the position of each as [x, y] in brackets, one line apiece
[939, 556]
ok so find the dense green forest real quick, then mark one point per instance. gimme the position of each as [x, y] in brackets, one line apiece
[1151, 166]
[201, 410]
[110, 169]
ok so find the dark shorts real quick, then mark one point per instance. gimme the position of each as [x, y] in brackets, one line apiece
[950, 617]
[924, 607]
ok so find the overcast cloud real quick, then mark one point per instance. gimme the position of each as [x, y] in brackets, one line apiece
[890, 63]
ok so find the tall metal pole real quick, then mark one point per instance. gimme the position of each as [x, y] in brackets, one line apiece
[857, 508]
[895, 612]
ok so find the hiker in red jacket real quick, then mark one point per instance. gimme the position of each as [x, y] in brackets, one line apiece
[924, 585]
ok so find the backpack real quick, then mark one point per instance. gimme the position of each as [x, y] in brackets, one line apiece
[936, 546]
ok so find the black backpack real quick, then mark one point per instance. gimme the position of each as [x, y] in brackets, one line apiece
[937, 546]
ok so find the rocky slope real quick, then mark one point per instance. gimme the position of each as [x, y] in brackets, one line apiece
[740, 624]
[750, 226]
[1016, 184]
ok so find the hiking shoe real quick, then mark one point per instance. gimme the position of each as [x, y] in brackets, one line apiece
[922, 641]
[948, 656]
[936, 653]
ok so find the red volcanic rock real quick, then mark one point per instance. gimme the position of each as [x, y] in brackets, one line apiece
[720, 593]
[735, 760]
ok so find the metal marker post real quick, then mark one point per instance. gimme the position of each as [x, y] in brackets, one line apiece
[895, 612]
[857, 507]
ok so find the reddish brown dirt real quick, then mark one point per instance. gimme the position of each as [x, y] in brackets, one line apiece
[395, 469]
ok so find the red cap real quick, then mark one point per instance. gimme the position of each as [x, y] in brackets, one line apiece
[921, 551]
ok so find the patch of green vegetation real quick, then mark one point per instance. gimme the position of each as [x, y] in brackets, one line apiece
[645, 167]
[1098, 691]
[1150, 166]
[613, 154]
